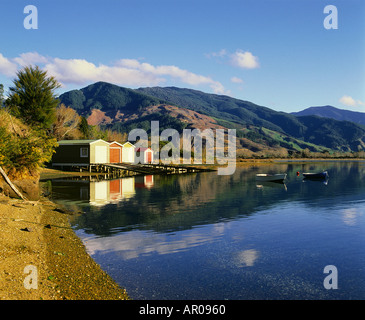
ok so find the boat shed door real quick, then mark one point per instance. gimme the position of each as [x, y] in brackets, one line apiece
[101, 154]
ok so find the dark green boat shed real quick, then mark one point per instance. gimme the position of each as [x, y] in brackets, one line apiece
[81, 153]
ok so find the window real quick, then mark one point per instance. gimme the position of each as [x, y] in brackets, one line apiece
[84, 152]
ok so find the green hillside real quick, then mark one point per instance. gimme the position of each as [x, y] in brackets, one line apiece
[106, 96]
[333, 113]
[330, 133]
[249, 119]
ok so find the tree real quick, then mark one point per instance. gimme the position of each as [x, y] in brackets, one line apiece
[32, 98]
[66, 124]
[84, 128]
[306, 153]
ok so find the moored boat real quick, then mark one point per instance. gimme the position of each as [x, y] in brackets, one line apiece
[318, 175]
[270, 177]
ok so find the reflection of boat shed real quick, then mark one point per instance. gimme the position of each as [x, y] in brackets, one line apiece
[144, 181]
[99, 193]
[115, 149]
[145, 155]
[122, 189]
[128, 152]
[81, 153]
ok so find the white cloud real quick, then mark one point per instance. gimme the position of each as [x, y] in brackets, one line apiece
[80, 71]
[241, 59]
[30, 58]
[7, 67]
[245, 60]
[127, 72]
[350, 102]
[236, 80]
[220, 54]
[174, 72]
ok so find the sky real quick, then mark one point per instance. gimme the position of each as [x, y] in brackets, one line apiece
[275, 53]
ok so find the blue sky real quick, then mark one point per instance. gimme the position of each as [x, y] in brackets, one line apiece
[275, 53]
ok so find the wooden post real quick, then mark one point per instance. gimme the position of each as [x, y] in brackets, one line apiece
[6, 178]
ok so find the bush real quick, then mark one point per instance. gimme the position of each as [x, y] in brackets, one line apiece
[23, 150]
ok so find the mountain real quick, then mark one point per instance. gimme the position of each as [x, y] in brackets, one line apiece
[258, 127]
[229, 109]
[107, 97]
[333, 113]
[330, 133]
[124, 109]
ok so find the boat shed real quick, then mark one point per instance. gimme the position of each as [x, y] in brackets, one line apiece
[128, 152]
[145, 155]
[81, 153]
[115, 150]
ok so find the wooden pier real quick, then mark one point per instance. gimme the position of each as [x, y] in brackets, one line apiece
[155, 168]
[127, 169]
[116, 170]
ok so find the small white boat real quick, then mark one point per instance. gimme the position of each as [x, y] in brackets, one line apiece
[270, 177]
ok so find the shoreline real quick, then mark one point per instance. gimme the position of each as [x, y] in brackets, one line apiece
[47, 173]
[38, 235]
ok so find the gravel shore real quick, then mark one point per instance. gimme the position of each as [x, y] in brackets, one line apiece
[41, 258]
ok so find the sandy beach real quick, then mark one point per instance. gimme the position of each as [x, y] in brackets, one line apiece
[41, 258]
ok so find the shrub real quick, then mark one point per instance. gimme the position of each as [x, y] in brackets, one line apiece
[23, 150]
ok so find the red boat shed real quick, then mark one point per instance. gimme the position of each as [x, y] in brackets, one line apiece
[115, 152]
[146, 153]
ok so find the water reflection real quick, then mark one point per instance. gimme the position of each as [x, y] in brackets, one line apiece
[140, 243]
[246, 258]
[351, 216]
[268, 185]
[179, 202]
[100, 193]
[204, 236]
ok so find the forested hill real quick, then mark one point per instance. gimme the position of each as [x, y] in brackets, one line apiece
[122, 109]
[106, 97]
[333, 113]
[230, 109]
[313, 129]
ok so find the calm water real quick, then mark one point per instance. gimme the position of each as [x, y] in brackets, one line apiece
[204, 236]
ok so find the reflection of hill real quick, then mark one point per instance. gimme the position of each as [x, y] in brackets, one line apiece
[180, 202]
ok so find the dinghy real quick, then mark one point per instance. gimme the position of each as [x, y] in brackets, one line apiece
[270, 177]
[318, 175]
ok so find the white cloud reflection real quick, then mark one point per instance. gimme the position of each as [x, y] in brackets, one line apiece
[247, 258]
[134, 244]
[351, 216]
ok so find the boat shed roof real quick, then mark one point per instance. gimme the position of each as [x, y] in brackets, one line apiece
[70, 142]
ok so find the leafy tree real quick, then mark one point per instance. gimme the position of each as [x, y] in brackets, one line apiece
[32, 98]
[66, 124]
[23, 150]
[84, 128]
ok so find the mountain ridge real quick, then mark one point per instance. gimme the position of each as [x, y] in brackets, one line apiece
[333, 113]
[124, 109]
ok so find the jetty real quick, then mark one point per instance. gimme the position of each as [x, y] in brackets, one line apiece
[148, 168]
